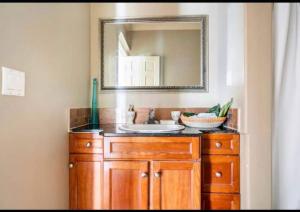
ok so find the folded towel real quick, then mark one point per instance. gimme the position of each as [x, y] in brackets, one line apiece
[167, 122]
[206, 115]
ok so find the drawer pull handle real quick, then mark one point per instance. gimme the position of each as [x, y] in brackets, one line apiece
[156, 174]
[144, 174]
[218, 145]
[71, 165]
[218, 174]
[88, 145]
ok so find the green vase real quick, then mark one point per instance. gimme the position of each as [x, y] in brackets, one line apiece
[95, 114]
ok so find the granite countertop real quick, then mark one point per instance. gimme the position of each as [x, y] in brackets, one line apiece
[110, 130]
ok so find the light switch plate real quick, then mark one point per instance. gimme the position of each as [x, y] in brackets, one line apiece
[13, 82]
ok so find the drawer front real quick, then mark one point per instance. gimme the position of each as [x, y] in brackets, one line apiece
[151, 147]
[85, 143]
[220, 202]
[222, 144]
[221, 174]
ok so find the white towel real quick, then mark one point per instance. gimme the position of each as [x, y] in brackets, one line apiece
[206, 115]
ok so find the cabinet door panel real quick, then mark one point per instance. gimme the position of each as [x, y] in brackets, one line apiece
[125, 185]
[85, 181]
[175, 185]
[153, 148]
[215, 201]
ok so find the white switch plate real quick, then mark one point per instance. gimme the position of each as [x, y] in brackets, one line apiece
[13, 82]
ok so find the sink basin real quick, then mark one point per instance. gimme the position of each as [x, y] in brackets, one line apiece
[151, 128]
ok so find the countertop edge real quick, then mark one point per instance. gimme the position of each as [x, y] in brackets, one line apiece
[111, 130]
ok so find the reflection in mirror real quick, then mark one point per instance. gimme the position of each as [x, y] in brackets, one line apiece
[154, 54]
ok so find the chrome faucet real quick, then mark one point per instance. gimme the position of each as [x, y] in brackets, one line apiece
[151, 117]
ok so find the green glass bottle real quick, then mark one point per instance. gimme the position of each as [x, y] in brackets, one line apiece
[95, 114]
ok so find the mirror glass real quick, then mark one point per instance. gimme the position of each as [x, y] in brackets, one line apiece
[159, 53]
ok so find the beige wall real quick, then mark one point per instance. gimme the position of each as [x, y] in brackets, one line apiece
[111, 53]
[226, 53]
[50, 43]
[179, 53]
[256, 142]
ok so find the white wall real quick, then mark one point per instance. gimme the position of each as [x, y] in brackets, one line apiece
[239, 66]
[50, 43]
[226, 47]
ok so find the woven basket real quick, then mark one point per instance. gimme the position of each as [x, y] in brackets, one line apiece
[202, 122]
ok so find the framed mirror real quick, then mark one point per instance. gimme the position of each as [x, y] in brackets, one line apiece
[167, 53]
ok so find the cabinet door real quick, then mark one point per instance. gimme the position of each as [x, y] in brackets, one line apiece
[175, 185]
[85, 181]
[126, 185]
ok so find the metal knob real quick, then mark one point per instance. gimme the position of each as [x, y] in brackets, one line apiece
[218, 145]
[88, 144]
[218, 174]
[144, 174]
[156, 174]
[71, 165]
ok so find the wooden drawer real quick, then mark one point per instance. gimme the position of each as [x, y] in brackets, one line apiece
[220, 202]
[221, 144]
[151, 147]
[85, 143]
[220, 173]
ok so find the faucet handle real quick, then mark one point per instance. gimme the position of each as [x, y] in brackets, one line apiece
[151, 116]
[151, 113]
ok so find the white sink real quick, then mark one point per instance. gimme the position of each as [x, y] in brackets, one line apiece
[151, 128]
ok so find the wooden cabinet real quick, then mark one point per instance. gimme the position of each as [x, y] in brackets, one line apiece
[134, 172]
[169, 166]
[175, 185]
[126, 185]
[154, 172]
[85, 187]
[220, 171]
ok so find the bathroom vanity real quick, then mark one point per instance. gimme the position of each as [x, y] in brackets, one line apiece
[188, 169]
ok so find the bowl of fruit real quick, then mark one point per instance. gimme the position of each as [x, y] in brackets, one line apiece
[213, 118]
